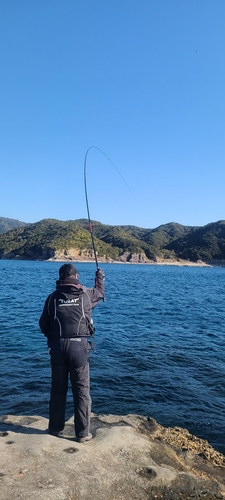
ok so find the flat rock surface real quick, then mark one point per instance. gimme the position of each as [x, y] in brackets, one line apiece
[130, 457]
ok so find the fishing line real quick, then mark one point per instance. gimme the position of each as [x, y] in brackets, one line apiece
[86, 195]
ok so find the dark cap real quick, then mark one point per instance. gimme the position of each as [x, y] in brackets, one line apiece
[67, 270]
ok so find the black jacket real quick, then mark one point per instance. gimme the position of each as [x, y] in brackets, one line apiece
[67, 311]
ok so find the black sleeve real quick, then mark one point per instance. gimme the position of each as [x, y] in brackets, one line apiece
[45, 319]
[99, 284]
[96, 294]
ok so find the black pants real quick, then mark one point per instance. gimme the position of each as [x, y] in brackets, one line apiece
[70, 357]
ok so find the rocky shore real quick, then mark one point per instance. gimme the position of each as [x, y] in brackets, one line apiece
[127, 258]
[129, 458]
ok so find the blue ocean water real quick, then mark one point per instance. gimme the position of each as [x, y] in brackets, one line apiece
[159, 344]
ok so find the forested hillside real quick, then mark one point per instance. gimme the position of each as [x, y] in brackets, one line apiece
[52, 238]
[8, 224]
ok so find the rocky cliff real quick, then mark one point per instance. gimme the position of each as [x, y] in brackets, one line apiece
[129, 458]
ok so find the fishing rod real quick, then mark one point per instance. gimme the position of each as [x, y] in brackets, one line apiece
[87, 204]
[86, 196]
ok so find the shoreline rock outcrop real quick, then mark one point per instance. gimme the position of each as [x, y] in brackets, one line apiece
[129, 458]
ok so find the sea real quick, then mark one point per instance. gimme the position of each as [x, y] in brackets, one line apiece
[160, 343]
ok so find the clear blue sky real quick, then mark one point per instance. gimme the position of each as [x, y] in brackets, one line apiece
[143, 80]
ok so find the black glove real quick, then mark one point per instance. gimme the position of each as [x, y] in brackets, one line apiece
[99, 272]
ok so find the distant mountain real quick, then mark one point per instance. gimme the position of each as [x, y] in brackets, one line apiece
[163, 235]
[8, 224]
[51, 238]
[203, 243]
[71, 240]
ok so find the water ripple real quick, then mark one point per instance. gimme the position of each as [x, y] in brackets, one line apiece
[159, 338]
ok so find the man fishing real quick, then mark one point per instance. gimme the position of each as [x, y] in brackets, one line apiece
[66, 322]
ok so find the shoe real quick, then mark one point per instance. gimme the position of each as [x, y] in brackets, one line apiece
[86, 438]
[56, 434]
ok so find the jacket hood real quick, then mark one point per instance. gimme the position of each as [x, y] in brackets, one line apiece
[69, 281]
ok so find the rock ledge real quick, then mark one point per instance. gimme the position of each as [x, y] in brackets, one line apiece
[129, 458]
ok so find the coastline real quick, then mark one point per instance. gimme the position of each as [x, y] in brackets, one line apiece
[159, 262]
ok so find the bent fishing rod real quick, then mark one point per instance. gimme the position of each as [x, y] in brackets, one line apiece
[87, 205]
[86, 195]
